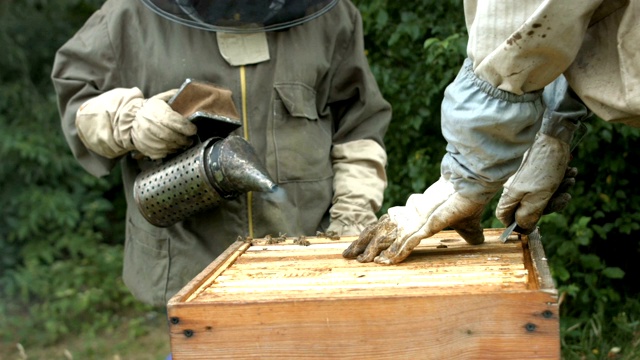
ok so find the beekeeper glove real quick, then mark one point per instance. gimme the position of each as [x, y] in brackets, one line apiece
[359, 180]
[122, 120]
[397, 233]
[541, 183]
[487, 131]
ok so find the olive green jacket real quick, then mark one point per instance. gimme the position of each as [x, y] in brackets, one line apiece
[315, 92]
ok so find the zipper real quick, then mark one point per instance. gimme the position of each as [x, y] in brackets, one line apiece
[245, 126]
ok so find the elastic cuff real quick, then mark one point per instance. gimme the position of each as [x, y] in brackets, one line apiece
[493, 91]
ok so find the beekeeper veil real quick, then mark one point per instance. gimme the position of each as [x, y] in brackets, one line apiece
[240, 16]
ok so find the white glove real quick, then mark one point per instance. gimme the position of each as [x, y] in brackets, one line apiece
[401, 229]
[121, 120]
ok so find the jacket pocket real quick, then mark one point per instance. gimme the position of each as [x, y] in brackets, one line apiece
[302, 140]
[146, 261]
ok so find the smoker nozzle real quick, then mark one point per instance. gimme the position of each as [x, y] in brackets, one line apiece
[234, 168]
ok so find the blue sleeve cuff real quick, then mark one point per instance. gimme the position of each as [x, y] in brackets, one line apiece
[487, 131]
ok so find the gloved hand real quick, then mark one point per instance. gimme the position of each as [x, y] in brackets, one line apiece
[541, 183]
[121, 120]
[527, 193]
[397, 233]
[487, 131]
[158, 130]
[561, 198]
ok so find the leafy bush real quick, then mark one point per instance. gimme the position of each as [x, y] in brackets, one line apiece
[60, 233]
[593, 245]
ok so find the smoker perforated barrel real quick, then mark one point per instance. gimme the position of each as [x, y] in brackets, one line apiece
[198, 179]
[177, 189]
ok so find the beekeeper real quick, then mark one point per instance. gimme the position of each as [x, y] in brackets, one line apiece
[297, 74]
[494, 108]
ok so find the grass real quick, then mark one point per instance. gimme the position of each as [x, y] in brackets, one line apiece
[592, 345]
[600, 336]
[135, 340]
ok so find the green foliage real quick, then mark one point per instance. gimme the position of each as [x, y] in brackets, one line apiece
[593, 245]
[59, 231]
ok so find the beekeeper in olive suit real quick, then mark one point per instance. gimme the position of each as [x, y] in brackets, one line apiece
[534, 70]
[297, 74]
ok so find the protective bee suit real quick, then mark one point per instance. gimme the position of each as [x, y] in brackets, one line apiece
[298, 77]
[534, 69]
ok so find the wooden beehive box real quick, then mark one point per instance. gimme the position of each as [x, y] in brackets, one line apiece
[448, 300]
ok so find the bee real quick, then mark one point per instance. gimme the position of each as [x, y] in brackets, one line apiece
[301, 241]
[329, 235]
[269, 239]
[247, 239]
[333, 235]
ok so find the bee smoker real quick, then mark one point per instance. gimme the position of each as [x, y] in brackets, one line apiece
[199, 179]
[216, 168]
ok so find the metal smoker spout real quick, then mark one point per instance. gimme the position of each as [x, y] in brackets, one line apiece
[234, 168]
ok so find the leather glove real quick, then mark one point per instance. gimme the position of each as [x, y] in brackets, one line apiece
[158, 130]
[397, 233]
[541, 183]
[121, 120]
[527, 193]
[561, 198]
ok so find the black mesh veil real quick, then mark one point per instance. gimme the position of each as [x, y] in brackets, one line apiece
[240, 16]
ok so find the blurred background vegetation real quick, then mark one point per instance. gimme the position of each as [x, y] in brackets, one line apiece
[61, 230]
